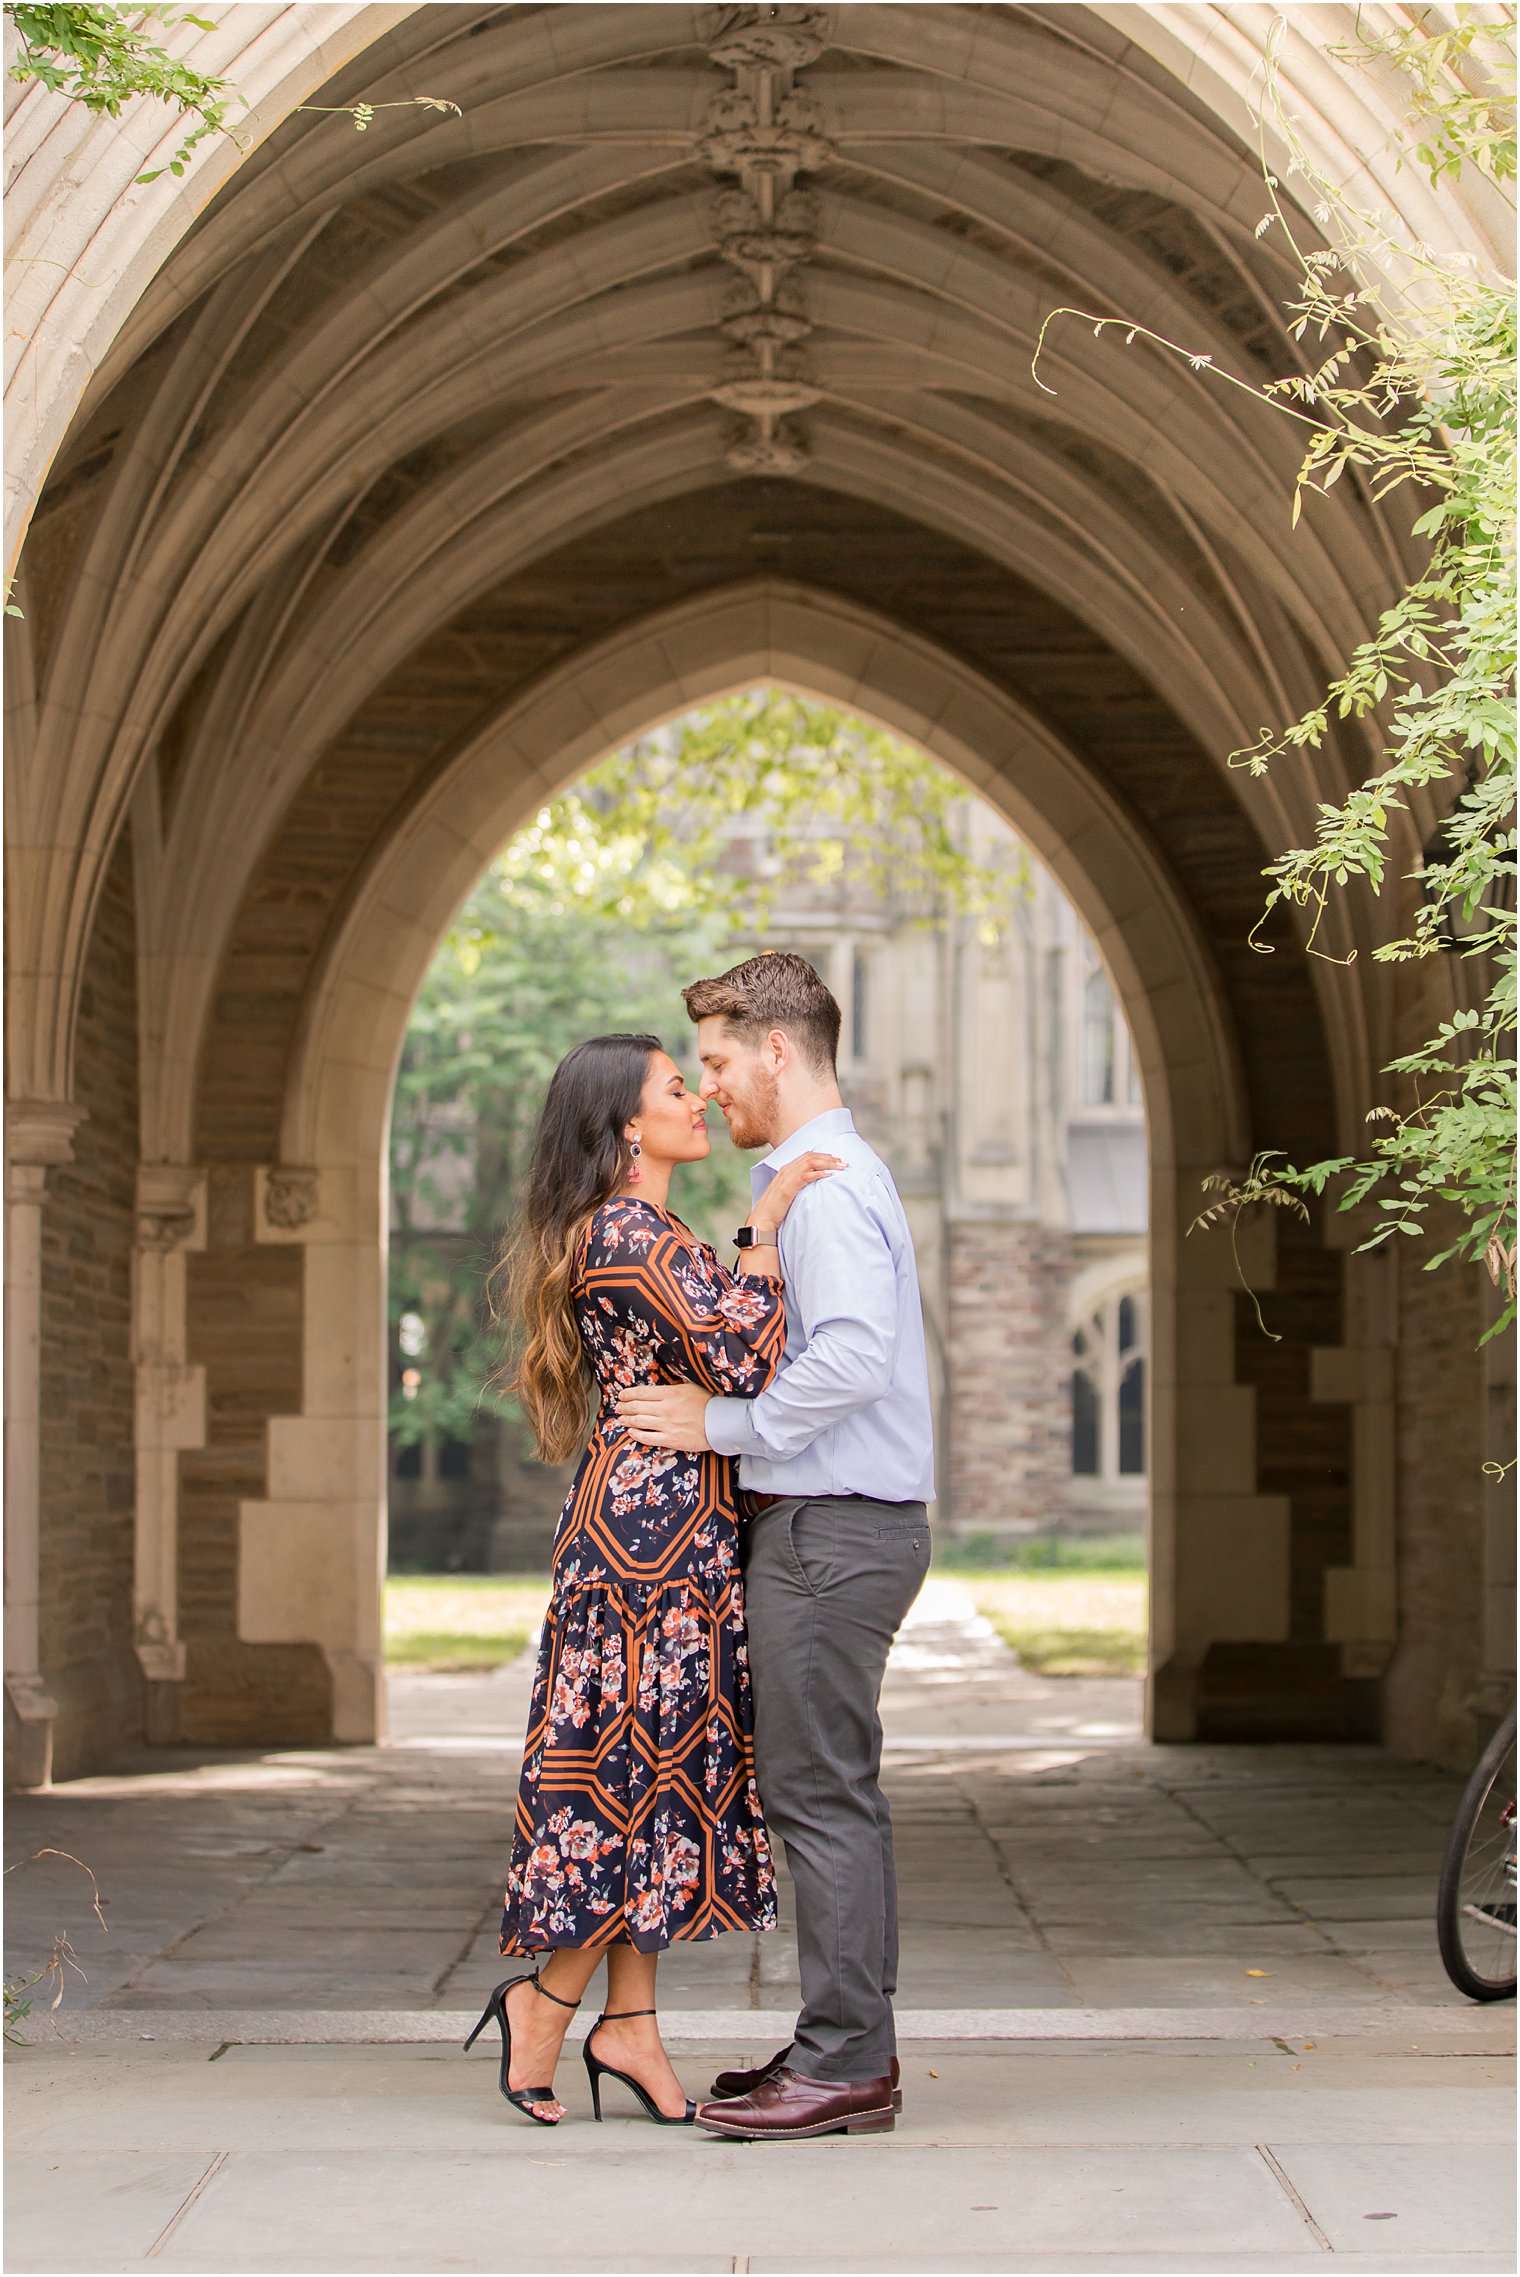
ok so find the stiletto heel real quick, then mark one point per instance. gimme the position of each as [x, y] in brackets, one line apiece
[523, 2097]
[596, 2071]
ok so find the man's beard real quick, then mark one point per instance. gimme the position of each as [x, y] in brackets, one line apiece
[752, 1120]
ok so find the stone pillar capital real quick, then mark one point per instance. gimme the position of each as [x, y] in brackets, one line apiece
[169, 1203]
[39, 1133]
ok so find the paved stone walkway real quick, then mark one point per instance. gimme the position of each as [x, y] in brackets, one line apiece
[1162, 2008]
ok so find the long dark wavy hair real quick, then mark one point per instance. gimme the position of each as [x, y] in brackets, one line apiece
[580, 1159]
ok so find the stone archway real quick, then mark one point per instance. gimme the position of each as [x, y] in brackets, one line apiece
[373, 467]
[299, 1551]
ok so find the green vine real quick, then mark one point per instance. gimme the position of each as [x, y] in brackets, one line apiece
[98, 55]
[1415, 386]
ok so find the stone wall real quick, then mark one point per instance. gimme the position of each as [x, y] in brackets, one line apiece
[245, 1329]
[87, 1499]
[1009, 1393]
[1428, 1693]
[1295, 1689]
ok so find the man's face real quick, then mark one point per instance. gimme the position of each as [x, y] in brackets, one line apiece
[739, 1077]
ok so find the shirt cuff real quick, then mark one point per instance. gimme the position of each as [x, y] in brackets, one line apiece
[730, 1427]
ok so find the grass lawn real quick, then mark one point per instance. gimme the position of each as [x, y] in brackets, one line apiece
[1073, 1623]
[1066, 1624]
[451, 1621]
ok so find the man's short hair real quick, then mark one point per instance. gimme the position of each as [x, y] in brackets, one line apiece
[773, 990]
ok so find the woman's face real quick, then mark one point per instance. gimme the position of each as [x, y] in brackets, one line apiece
[671, 1125]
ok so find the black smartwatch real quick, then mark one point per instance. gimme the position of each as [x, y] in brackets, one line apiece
[753, 1237]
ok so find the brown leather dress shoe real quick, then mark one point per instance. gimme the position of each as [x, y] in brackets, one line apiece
[788, 2108]
[731, 2083]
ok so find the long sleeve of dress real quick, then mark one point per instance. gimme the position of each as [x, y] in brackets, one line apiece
[704, 1325]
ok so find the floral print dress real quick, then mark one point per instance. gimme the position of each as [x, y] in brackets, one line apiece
[637, 1814]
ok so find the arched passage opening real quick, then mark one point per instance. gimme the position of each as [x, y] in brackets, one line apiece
[335, 1110]
[983, 1053]
[419, 472]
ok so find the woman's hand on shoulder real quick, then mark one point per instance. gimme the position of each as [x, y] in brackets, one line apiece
[770, 1211]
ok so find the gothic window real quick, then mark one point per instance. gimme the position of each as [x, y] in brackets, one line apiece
[1131, 1390]
[1097, 1041]
[1108, 1390]
[860, 1006]
[1108, 1076]
[1086, 1412]
[454, 1458]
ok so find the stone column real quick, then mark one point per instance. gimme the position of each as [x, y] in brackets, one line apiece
[311, 1554]
[39, 1135]
[1219, 1549]
[170, 1416]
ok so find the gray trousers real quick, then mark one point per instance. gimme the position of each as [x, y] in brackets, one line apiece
[826, 1583]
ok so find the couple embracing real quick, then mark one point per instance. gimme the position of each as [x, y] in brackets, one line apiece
[744, 1534]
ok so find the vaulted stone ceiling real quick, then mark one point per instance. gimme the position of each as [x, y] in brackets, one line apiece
[693, 342]
[657, 249]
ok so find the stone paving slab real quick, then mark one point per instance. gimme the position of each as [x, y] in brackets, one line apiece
[958, 2096]
[292, 2208]
[1454, 2191]
[343, 1878]
[1464, 2028]
[971, 2264]
[1092, 2155]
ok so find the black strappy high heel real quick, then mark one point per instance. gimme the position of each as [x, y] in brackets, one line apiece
[596, 2070]
[523, 2097]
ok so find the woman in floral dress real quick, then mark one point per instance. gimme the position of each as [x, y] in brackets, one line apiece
[638, 1822]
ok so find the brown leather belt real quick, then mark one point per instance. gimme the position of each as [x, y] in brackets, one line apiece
[752, 1505]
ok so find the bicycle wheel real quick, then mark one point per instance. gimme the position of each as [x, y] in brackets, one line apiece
[1475, 1907]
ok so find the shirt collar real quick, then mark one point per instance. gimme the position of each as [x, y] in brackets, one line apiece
[830, 1124]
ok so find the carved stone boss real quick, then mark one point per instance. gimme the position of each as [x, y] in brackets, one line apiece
[765, 130]
[291, 1196]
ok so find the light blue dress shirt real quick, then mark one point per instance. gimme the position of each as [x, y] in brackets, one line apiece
[848, 1409]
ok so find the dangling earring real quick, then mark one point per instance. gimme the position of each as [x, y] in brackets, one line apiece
[634, 1171]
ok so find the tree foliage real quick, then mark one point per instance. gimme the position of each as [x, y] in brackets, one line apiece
[100, 56]
[1412, 381]
[1418, 388]
[661, 864]
[812, 793]
[519, 979]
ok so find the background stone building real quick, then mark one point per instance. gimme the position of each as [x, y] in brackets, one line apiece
[996, 1075]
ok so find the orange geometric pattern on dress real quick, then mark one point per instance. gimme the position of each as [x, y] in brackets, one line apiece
[637, 1813]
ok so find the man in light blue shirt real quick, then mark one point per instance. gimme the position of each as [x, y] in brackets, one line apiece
[848, 1411]
[836, 1466]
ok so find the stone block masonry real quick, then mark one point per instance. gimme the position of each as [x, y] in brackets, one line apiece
[86, 1444]
[245, 1330]
[1009, 1404]
[1429, 1690]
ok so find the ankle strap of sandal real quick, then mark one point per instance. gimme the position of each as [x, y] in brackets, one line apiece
[617, 2015]
[572, 2005]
